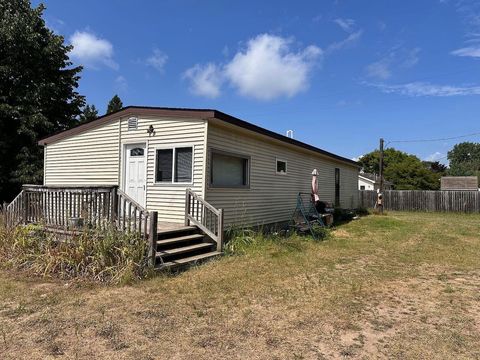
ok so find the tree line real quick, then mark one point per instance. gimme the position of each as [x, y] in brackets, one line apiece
[38, 93]
[408, 172]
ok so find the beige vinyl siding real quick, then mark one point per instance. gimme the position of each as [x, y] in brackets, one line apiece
[94, 157]
[271, 197]
[168, 199]
[89, 158]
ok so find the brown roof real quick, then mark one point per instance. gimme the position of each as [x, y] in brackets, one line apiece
[186, 113]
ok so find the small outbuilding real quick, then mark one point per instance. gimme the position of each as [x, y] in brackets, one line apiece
[368, 181]
[459, 183]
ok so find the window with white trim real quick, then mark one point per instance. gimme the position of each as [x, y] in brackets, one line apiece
[174, 165]
[229, 170]
[281, 167]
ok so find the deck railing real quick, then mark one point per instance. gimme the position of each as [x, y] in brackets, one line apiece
[132, 217]
[205, 216]
[13, 211]
[70, 207]
[65, 207]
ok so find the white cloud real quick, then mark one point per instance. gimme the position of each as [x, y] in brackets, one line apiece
[411, 58]
[157, 60]
[436, 156]
[379, 69]
[346, 24]
[265, 69]
[205, 80]
[121, 83]
[418, 89]
[91, 51]
[470, 51]
[397, 57]
[350, 40]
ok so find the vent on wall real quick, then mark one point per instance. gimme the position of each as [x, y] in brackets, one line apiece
[132, 123]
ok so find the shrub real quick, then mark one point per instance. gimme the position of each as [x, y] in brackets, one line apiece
[99, 255]
[361, 211]
[321, 232]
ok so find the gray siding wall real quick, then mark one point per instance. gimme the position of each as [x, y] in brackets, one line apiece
[272, 197]
[94, 157]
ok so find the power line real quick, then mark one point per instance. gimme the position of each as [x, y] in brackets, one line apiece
[433, 140]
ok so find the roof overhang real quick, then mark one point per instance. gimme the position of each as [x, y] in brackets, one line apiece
[205, 114]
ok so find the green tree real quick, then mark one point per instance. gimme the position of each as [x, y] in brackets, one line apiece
[464, 159]
[114, 104]
[436, 167]
[89, 113]
[405, 171]
[37, 92]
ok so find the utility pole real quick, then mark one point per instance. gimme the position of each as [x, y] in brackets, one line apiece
[380, 193]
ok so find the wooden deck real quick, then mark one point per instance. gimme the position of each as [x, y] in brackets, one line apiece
[168, 226]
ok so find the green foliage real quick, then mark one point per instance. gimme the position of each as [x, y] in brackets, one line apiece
[89, 113]
[247, 240]
[405, 171]
[238, 239]
[37, 92]
[105, 256]
[464, 159]
[114, 104]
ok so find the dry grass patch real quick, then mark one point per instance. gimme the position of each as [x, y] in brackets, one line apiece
[400, 286]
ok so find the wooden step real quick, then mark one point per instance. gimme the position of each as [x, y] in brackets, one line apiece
[188, 260]
[183, 249]
[180, 239]
[176, 230]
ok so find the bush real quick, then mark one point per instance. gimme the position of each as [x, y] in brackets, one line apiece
[99, 255]
[342, 215]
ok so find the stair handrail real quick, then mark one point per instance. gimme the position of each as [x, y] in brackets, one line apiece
[205, 216]
[14, 211]
[130, 215]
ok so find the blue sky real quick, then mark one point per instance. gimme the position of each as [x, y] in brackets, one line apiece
[341, 74]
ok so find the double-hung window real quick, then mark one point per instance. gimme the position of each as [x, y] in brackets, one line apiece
[174, 165]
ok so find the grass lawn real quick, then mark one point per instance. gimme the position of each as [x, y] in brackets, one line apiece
[405, 286]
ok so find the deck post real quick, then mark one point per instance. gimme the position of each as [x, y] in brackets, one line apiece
[25, 207]
[220, 231]
[187, 206]
[114, 204]
[152, 237]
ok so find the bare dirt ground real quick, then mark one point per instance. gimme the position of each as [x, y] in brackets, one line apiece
[401, 286]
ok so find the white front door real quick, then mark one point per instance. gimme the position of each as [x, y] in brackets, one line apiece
[135, 160]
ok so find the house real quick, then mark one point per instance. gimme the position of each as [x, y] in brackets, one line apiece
[462, 183]
[368, 181]
[154, 154]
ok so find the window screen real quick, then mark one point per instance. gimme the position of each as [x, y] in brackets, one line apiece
[164, 165]
[229, 171]
[183, 165]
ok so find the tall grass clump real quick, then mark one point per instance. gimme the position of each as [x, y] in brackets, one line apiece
[92, 254]
[242, 240]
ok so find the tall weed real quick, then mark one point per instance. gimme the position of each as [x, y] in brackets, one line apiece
[99, 255]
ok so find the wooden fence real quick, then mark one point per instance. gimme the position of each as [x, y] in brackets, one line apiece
[423, 200]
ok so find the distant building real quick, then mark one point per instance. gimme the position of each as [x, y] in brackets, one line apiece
[368, 181]
[459, 183]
